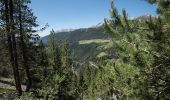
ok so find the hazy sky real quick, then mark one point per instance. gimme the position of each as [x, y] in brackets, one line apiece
[65, 14]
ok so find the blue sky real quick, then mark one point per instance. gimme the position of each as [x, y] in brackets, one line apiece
[66, 14]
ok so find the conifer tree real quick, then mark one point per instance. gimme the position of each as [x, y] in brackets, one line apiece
[23, 20]
[10, 30]
[44, 59]
[65, 57]
[139, 47]
[54, 52]
[66, 71]
[19, 21]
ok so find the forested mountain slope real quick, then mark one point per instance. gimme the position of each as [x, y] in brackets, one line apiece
[84, 42]
[88, 43]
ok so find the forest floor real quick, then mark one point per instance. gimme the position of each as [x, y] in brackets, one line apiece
[6, 83]
[7, 89]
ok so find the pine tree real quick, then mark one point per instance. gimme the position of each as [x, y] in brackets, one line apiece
[142, 54]
[54, 52]
[5, 70]
[18, 35]
[9, 20]
[26, 19]
[66, 71]
[44, 59]
[23, 45]
[65, 57]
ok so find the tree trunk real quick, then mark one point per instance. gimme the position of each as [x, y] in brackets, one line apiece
[12, 46]
[24, 51]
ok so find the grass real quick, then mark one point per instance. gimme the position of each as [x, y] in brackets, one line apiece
[4, 90]
[102, 54]
[81, 42]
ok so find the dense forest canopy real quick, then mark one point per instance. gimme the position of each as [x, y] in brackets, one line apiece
[122, 59]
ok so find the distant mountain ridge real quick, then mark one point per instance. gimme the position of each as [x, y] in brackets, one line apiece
[75, 35]
[91, 38]
[81, 52]
[94, 32]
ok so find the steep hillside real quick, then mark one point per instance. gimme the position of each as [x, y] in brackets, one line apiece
[84, 42]
[89, 43]
[80, 34]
